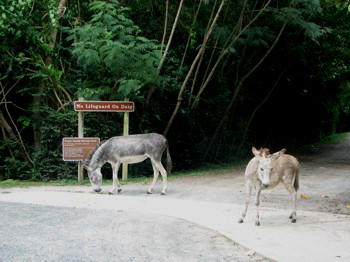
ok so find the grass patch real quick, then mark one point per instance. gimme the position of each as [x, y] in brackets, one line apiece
[27, 183]
[324, 142]
[211, 169]
[207, 169]
[333, 139]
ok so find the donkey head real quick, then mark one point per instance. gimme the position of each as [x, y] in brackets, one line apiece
[265, 166]
[95, 178]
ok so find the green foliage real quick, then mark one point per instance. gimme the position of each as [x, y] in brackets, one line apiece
[333, 69]
[11, 167]
[344, 98]
[48, 160]
[298, 13]
[106, 51]
[340, 4]
[127, 86]
[25, 121]
[12, 15]
[111, 44]
[257, 36]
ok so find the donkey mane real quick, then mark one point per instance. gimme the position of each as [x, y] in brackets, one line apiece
[94, 151]
[264, 152]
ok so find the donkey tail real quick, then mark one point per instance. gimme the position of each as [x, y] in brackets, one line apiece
[296, 179]
[169, 163]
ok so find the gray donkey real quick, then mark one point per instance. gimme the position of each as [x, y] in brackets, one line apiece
[266, 171]
[129, 149]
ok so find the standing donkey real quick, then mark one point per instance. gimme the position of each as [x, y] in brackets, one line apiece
[266, 171]
[129, 149]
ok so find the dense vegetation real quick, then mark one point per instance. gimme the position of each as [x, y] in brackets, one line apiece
[214, 76]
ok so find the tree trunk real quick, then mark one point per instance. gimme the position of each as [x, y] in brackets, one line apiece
[5, 125]
[201, 50]
[37, 100]
[234, 36]
[239, 86]
[256, 110]
[153, 87]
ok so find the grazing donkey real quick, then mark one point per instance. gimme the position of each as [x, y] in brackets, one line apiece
[266, 171]
[129, 149]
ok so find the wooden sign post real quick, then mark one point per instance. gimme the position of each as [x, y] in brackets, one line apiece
[80, 134]
[125, 133]
[93, 106]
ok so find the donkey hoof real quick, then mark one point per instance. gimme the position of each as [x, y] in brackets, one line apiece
[149, 192]
[293, 220]
[257, 223]
[119, 190]
[162, 194]
[240, 220]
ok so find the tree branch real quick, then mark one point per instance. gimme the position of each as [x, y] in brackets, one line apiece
[201, 50]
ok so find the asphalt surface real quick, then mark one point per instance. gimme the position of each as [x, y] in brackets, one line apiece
[40, 225]
[45, 225]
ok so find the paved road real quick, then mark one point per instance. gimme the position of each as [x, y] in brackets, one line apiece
[42, 225]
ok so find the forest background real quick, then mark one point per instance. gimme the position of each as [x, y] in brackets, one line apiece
[216, 77]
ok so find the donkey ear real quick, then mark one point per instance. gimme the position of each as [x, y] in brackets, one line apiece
[277, 154]
[256, 152]
[282, 151]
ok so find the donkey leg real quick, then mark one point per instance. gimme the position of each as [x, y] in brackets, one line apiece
[116, 185]
[164, 174]
[293, 216]
[247, 201]
[257, 204]
[293, 194]
[155, 177]
[159, 167]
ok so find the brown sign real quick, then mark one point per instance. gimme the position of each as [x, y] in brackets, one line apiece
[78, 148]
[104, 106]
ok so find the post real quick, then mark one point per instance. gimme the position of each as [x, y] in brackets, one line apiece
[80, 134]
[125, 133]
[81, 106]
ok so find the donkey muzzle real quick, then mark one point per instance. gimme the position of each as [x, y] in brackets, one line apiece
[97, 189]
[266, 185]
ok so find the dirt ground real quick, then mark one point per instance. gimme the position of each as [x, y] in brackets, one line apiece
[34, 221]
[325, 179]
[324, 184]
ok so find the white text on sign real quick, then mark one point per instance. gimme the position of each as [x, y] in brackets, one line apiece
[104, 106]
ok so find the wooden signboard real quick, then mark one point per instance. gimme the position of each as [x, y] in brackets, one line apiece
[78, 148]
[103, 106]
